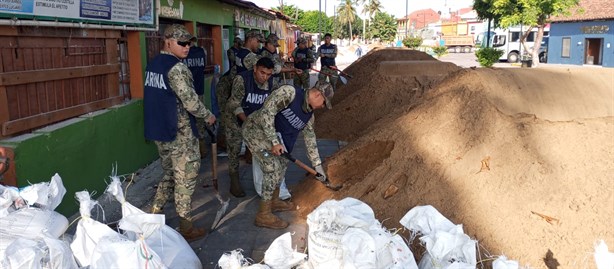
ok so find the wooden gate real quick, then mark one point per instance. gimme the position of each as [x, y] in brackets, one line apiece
[52, 74]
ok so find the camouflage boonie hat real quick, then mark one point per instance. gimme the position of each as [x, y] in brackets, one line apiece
[273, 39]
[327, 91]
[178, 31]
[301, 40]
[255, 34]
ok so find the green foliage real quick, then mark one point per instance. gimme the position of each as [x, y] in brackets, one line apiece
[531, 13]
[383, 26]
[291, 11]
[440, 50]
[488, 56]
[412, 42]
[346, 13]
[309, 22]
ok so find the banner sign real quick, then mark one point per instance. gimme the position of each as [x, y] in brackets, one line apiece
[116, 11]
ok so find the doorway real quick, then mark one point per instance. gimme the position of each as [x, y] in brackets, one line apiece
[592, 52]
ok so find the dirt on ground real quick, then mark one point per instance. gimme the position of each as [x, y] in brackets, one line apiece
[523, 158]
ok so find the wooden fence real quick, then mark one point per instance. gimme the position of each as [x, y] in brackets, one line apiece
[52, 74]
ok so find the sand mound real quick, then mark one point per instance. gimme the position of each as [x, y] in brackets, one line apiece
[491, 149]
[387, 86]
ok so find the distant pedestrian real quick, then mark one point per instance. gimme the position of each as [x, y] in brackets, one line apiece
[359, 52]
[171, 107]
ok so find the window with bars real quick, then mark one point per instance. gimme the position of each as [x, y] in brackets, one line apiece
[205, 40]
[566, 47]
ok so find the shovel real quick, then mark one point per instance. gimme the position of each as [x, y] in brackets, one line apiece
[343, 80]
[212, 131]
[341, 72]
[311, 171]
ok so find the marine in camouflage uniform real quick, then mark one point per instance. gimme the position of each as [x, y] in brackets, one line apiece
[246, 58]
[269, 50]
[285, 113]
[249, 90]
[328, 53]
[303, 58]
[171, 107]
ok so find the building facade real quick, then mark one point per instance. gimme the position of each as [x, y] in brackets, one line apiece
[585, 38]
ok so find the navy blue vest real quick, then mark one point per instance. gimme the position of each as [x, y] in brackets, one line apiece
[302, 53]
[196, 63]
[160, 102]
[325, 61]
[254, 96]
[292, 119]
[241, 54]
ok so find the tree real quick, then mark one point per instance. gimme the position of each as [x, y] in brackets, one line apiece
[529, 13]
[309, 21]
[383, 26]
[291, 11]
[347, 14]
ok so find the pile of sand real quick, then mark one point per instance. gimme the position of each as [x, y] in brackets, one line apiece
[523, 158]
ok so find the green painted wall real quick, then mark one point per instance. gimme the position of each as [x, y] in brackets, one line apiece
[204, 11]
[83, 150]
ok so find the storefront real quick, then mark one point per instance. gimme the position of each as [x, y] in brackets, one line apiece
[584, 39]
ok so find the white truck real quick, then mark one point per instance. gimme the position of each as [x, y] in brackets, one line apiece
[508, 40]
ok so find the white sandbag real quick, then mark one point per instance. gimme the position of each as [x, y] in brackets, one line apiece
[603, 257]
[503, 263]
[46, 195]
[89, 232]
[327, 225]
[391, 250]
[284, 193]
[280, 254]
[116, 253]
[453, 245]
[59, 254]
[172, 248]
[232, 260]
[10, 200]
[359, 250]
[24, 254]
[425, 220]
[32, 222]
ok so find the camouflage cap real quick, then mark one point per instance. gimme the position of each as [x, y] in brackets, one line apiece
[255, 34]
[327, 92]
[178, 31]
[238, 40]
[301, 40]
[273, 39]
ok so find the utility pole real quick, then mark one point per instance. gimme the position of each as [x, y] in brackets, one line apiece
[319, 21]
[406, 16]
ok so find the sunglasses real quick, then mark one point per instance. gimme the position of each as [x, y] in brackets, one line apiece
[184, 43]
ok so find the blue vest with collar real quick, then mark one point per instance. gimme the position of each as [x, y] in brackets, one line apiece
[292, 119]
[240, 56]
[160, 103]
[325, 61]
[254, 97]
[196, 63]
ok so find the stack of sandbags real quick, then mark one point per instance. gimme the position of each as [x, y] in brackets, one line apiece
[30, 228]
[279, 255]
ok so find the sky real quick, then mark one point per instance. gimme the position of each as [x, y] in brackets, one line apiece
[394, 7]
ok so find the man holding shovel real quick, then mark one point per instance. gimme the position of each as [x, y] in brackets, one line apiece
[328, 53]
[285, 113]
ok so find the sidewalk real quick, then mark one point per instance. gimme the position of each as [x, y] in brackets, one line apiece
[236, 230]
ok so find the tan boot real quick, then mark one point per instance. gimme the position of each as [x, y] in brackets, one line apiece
[202, 147]
[188, 231]
[279, 205]
[266, 219]
[235, 186]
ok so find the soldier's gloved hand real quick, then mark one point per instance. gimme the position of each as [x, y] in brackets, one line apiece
[322, 177]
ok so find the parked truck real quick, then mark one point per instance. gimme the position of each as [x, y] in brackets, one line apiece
[508, 40]
[458, 43]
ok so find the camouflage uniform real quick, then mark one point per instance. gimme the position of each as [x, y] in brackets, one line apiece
[259, 134]
[180, 158]
[302, 80]
[234, 138]
[327, 54]
[279, 63]
[224, 87]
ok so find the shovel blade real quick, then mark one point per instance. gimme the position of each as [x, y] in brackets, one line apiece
[343, 80]
[220, 213]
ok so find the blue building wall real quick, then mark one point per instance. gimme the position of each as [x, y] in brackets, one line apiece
[559, 30]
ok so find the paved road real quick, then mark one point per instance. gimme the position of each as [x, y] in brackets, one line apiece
[466, 60]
